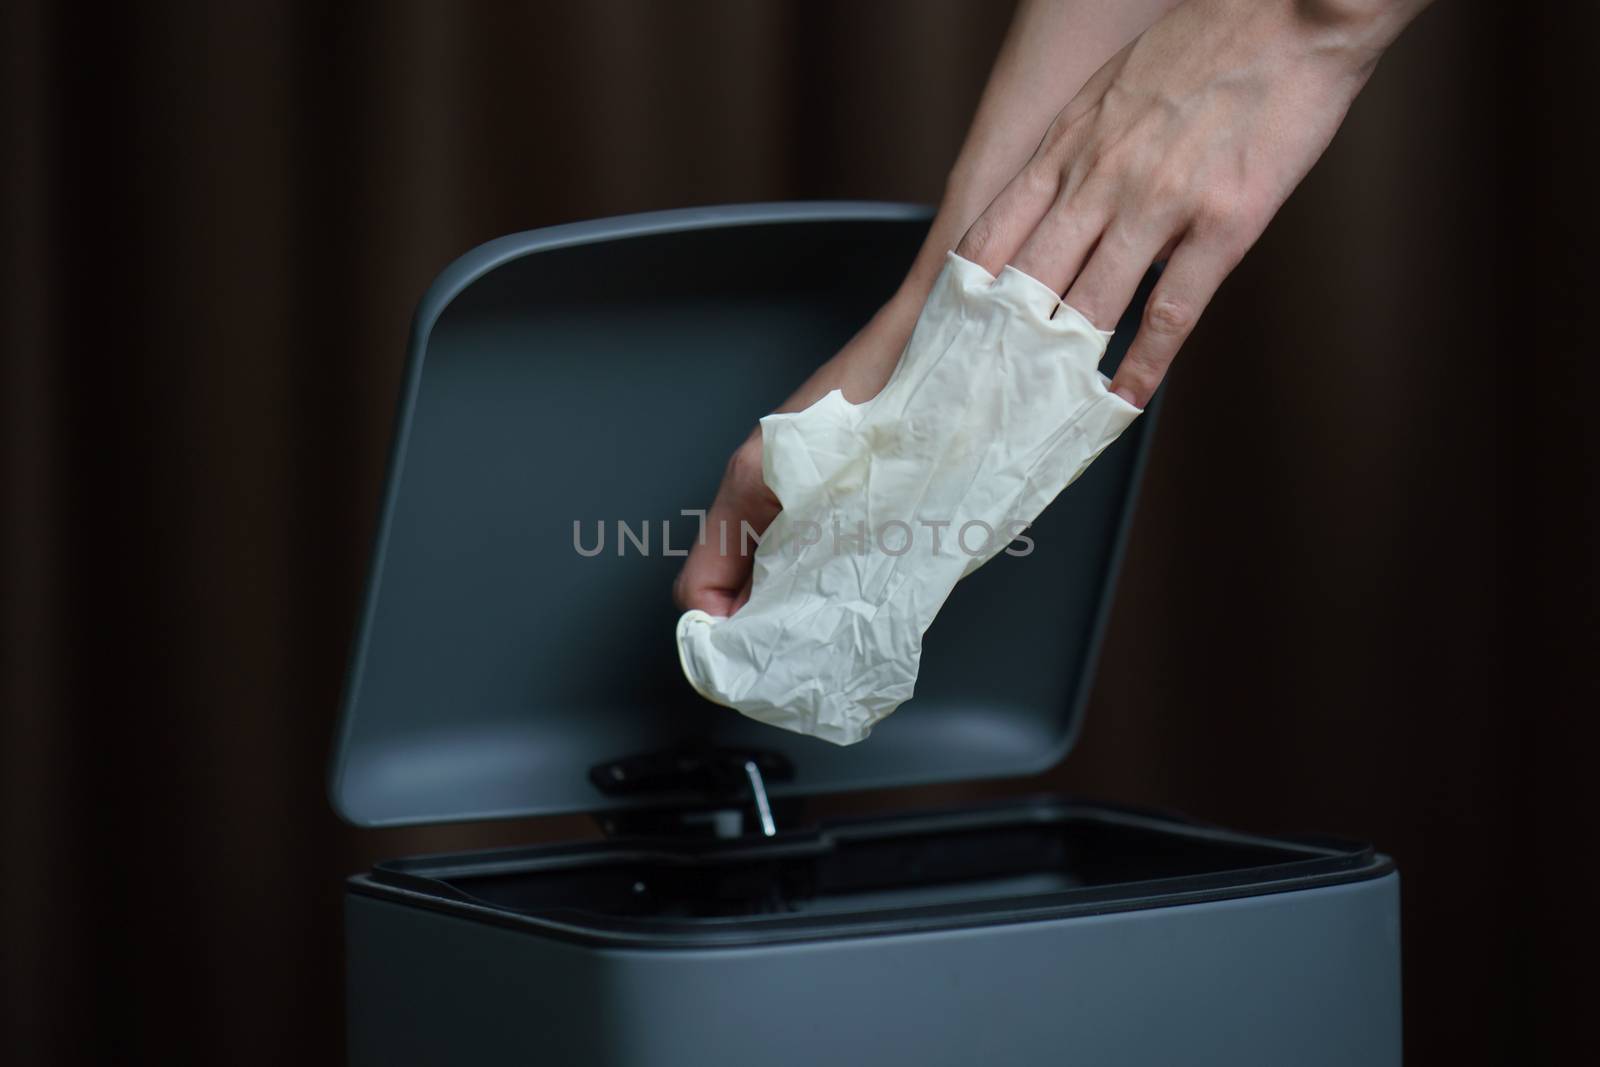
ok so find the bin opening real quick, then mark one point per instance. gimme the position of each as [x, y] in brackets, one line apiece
[865, 867]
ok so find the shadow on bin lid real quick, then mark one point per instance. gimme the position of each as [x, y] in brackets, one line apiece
[602, 372]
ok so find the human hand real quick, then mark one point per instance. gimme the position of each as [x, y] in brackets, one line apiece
[1182, 128]
[1048, 54]
[1182, 147]
[1050, 51]
[716, 576]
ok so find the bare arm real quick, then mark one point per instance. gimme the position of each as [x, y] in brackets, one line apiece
[1051, 49]
[1110, 135]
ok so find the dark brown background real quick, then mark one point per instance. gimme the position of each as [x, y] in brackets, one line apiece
[1360, 596]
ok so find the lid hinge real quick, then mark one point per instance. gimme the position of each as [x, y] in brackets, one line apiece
[705, 791]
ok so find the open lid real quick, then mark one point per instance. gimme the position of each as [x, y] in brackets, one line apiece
[601, 373]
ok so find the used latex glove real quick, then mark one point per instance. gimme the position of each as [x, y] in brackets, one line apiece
[996, 406]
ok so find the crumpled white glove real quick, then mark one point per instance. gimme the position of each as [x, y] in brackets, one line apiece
[995, 407]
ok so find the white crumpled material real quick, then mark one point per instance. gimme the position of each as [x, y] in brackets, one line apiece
[996, 406]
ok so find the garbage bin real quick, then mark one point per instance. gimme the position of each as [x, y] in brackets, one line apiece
[570, 398]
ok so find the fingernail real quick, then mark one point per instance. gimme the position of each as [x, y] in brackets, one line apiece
[1127, 394]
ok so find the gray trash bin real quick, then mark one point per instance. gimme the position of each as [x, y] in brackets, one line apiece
[565, 380]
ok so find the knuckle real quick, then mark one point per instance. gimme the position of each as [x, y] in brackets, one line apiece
[1218, 213]
[1167, 315]
[1039, 179]
[1072, 223]
[1169, 185]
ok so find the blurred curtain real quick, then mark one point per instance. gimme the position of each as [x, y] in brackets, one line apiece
[1360, 596]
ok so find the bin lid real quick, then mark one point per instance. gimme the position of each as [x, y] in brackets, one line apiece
[602, 372]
